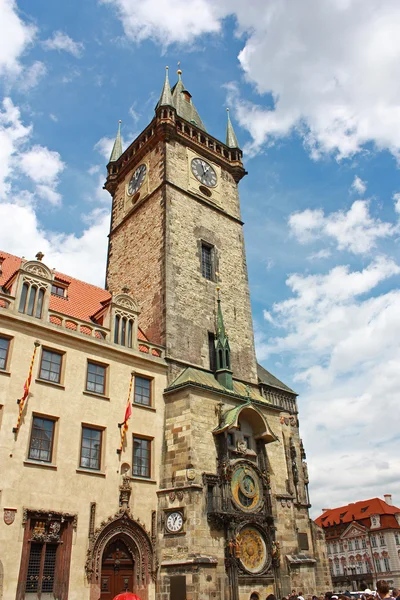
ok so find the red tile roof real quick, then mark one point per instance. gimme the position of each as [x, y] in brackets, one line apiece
[83, 299]
[357, 511]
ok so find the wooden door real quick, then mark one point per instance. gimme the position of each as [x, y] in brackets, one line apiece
[117, 571]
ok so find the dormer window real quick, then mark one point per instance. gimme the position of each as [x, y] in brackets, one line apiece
[58, 290]
[31, 301]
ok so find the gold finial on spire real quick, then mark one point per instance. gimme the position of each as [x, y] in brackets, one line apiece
[179, 68]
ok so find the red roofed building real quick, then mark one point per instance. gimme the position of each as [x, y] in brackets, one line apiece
[363, 541]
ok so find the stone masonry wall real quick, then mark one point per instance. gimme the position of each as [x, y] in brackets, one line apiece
[191, 298]
[136, 249]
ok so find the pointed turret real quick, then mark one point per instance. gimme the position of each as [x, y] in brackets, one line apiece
[117, 148]
[231, 139]
[182, 101]
[223, 373]
[166, 96]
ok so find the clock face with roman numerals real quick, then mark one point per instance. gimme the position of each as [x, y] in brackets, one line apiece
[174, 522]
[137, 180]
[204, 172]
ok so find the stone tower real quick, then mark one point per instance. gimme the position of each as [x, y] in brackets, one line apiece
[232, 518]
[176, 231]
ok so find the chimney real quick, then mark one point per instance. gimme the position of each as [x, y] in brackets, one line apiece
[388, 499]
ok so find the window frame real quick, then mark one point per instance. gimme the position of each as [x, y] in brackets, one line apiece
[203, 267]
[59, 286]
[150, 440]
[150, 380]
[8, 351]
[53, 420]
[61, 373]
[105, 382]
[101, 431]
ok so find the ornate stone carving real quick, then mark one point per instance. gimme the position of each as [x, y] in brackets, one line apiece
[125, 490]
[276, 554]
[136, 538]
[126, 302]
[9, 515]
[37, 268]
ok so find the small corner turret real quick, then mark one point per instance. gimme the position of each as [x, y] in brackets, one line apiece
[231, 139]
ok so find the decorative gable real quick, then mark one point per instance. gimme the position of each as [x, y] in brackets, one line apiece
[375, 521]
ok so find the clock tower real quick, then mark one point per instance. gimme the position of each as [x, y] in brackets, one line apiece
[176, 232]
[232, 495]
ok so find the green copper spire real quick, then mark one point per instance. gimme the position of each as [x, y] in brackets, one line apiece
[166, 96]
[117, 148]
[182, 101]
[223, 373]
[231, 139]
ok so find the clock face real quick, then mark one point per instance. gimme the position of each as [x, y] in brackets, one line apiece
[137, 180]
[246, 488]
[204, 172]
[253, 550]
[174, 522]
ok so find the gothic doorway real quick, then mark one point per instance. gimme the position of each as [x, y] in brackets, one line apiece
[117, 570]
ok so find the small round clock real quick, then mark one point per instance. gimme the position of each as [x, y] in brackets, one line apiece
[204, 172]
[137, 180]
[174, 522]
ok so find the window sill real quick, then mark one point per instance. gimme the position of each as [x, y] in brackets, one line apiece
[90, 472]
[142, 479]
[4, 372]
[51, 383]
[144, 406]
[39, 463]
[95, 395]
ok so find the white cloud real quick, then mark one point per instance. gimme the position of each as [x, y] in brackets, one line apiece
[104, 146]
[41, 164]
[321, 254]
[82, 256]
[46, 192]
[13, 135]
[359, 185]
[327, 68]
[340, 330]
[354, 230]
[396, 198]
[15, 37]
[31, 76]
[268, 317]
[62, 41]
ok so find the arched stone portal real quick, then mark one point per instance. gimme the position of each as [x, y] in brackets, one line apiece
[123, 536]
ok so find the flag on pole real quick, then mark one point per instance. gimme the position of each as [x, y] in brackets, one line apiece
[128, 411]
[27, 385]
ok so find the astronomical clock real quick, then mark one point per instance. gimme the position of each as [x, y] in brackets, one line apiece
[239, 503]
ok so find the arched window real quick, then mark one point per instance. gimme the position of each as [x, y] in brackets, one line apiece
[123, 331]
[31, 301]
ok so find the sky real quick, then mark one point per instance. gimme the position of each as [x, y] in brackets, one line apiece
[314, 95]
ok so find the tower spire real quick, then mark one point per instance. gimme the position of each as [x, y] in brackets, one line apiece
[223, 373]
[166, 96]
[117, 148]
[231, 139]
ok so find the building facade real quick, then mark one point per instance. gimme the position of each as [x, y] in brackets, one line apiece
[148, 451]
[363, 542]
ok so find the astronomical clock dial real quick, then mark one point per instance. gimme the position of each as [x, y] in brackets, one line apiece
[253, 550]
[174, 522]
[204, 172]
[137, 180]
[246, 488]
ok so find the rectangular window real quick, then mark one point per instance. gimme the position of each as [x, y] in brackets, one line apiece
[41, 568]
[303, 541]
[341, 549]
[373, 541]
[91, 448]
[363, 543]
[387, 564]
[397, 538]
[41, 444]
[50, 366]
[96, 378]
[58, 290]
[206, 261]
[382, 540]
[142, 391]
[377, 565]
[350, 545]
[211, 351]
[4, 346]
[337, 568]
[356, 545]
[141, 457]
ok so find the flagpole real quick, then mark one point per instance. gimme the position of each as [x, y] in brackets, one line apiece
[128, 411]
[27, 384]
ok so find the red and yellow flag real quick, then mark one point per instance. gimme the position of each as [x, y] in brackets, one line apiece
[128, 411]
[27, 384]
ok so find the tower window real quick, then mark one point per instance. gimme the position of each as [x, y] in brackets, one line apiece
[211, 351]
[207, 261]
